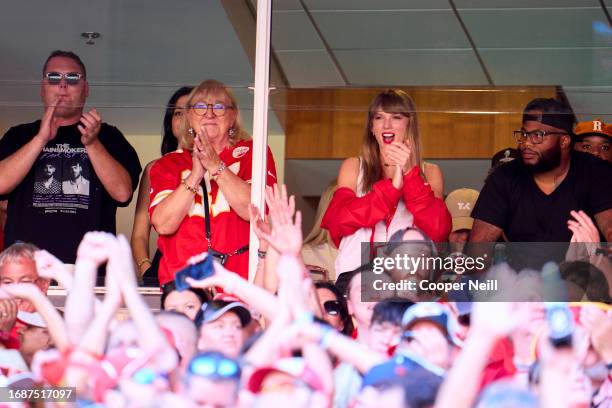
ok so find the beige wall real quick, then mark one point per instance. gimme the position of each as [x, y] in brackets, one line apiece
[147, 147]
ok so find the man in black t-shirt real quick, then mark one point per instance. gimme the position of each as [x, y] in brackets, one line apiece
[529, 200]
[66, 174]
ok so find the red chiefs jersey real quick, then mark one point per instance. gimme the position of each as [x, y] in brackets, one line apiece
[229, 232]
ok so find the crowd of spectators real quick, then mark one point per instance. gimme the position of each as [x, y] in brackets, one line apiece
[310, 328]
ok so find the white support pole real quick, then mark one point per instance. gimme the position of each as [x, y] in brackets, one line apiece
[260, 120]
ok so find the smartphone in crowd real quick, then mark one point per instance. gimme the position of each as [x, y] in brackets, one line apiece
[197, 271]
[560, 324]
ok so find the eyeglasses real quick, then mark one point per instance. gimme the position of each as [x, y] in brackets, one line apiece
[535, 136]
[214, 366]
[72, 78]
[218, 109]
[332, 307]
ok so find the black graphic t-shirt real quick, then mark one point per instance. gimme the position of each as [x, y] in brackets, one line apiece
[61, 198]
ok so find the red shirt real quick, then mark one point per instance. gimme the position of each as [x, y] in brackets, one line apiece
[229, 232]
[500, 363]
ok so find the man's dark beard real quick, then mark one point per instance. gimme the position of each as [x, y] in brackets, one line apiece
[549, 160]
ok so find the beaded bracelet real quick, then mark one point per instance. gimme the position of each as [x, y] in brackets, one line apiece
[217, 173]
[188, 187]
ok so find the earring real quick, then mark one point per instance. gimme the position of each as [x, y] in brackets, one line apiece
[232, 132]
[191, 132]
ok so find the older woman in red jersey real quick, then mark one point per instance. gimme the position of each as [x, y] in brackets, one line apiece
[200, 197]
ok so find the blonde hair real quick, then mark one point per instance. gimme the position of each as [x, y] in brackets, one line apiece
[204, 89]
[390, 101]
[18, 252]
[317, 235]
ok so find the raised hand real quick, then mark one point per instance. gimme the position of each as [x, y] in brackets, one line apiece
[120, 264]
[197, 167]
[286, 235]
[8, 314]
[94, 248]
[49, 267]
[398, 153]
[583, 228]
[220, 277]
[496, 319]
[208, 156]
[24, 291]
[90, 127]
[294, 284]
[599, 325]
[49, 123]
[260, 227]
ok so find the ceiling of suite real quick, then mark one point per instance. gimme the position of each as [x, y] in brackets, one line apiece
[426, 42]
[150, 47]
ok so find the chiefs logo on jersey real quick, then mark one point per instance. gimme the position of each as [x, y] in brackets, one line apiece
[240, 151]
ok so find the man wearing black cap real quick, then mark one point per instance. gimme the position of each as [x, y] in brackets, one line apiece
[530, 199]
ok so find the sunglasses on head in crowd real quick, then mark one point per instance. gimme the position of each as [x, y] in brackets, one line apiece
[332, 307]
[72, 78]
[215, 367]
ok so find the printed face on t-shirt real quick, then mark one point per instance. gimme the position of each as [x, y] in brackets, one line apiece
[76, 170]
[49, 170]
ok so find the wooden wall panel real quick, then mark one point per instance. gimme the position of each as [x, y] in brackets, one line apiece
[454, 123]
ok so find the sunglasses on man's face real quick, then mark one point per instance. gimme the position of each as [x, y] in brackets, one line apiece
[332, 307]
[72, 78]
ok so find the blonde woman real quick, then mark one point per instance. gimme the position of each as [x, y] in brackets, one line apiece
[388, 187]
[200, 195]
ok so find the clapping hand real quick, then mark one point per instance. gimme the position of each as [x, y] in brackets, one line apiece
[208, 156]
[582, 227]
[398, 154]
[89, 126]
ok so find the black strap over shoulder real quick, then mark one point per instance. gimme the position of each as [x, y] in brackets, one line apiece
[207, 225]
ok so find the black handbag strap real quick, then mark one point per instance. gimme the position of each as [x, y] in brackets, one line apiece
[207, 223]
[206, 214]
